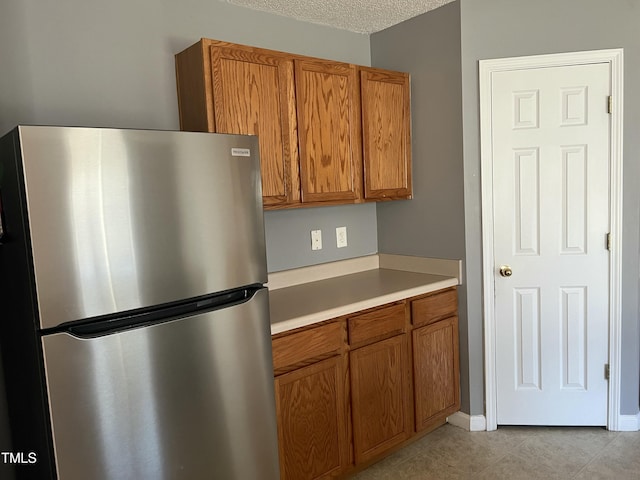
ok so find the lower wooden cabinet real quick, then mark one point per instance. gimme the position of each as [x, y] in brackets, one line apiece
[436, 371]
[380, 397]
[350, 390]
[311, 414]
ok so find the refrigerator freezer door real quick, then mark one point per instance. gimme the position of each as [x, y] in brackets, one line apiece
[188, 399]
[125, 219]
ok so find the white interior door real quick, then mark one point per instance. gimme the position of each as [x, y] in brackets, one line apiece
[551, 139]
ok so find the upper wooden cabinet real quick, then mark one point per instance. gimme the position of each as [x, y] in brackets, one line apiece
[313, 118]
[253, 94]
[248, 91]
[386, 133]
[328, 131]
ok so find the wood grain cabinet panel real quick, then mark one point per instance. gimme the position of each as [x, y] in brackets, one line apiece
[307, 346]
[229, 88]
[352, 389]
[380, 397]
[328, 131]
[436, 371]
[386, 134]
[314, 119]
[376, 324]
[253, 92]
[311, 421]
[434, 307]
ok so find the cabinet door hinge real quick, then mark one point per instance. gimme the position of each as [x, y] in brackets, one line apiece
[610, 104]
[606, 371]
[608, 241]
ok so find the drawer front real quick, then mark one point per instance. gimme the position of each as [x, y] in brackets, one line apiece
[434, 307]
[307, 346]
[376, 324]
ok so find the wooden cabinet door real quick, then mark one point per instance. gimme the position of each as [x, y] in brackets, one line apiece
[386, 133]
[328, 131]
[253, 93]
[311, 412]
[380, 397]
[436, 371]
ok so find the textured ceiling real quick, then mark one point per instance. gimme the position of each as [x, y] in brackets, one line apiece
[362, 16]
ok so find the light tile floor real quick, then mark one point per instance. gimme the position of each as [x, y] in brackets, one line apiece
[586, 453]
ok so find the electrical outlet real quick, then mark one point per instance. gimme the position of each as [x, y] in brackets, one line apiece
[341, 237]
[316, 239]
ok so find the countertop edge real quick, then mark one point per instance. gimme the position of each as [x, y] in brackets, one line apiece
[317, 317]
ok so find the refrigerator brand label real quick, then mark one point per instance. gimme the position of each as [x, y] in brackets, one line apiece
[241, 152]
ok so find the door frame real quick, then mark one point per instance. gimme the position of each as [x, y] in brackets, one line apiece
[486, 69]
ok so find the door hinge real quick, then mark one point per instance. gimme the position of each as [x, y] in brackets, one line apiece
[606, 371]
[610, 104]
[608, 242]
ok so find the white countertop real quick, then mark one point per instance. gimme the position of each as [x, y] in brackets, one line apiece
[315, 301]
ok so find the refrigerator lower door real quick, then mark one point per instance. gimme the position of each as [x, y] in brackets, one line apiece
[187, 399]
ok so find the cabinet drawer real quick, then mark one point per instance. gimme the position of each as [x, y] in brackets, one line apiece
[306, 347]
[382, 322]
[434, 307]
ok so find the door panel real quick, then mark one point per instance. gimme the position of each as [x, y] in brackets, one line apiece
[551, 214]
[190, 398]
[380, 392]
[386, 133]
[436, 371]
[329, 135]
[311, 411]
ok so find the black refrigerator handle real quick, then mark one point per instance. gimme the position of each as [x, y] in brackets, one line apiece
[99, 327]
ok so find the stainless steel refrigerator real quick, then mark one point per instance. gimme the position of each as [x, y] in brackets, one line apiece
[134, 323]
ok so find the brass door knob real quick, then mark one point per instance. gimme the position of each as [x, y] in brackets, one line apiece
[505, 271]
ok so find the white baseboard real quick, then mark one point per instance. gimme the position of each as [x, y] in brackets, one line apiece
[629, 423]
[471, 423]
[478, 423]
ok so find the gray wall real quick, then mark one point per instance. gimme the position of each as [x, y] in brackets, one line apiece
[432, 224]
[359, 220]
[505, 28]
[78, 62]
[16, 104]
